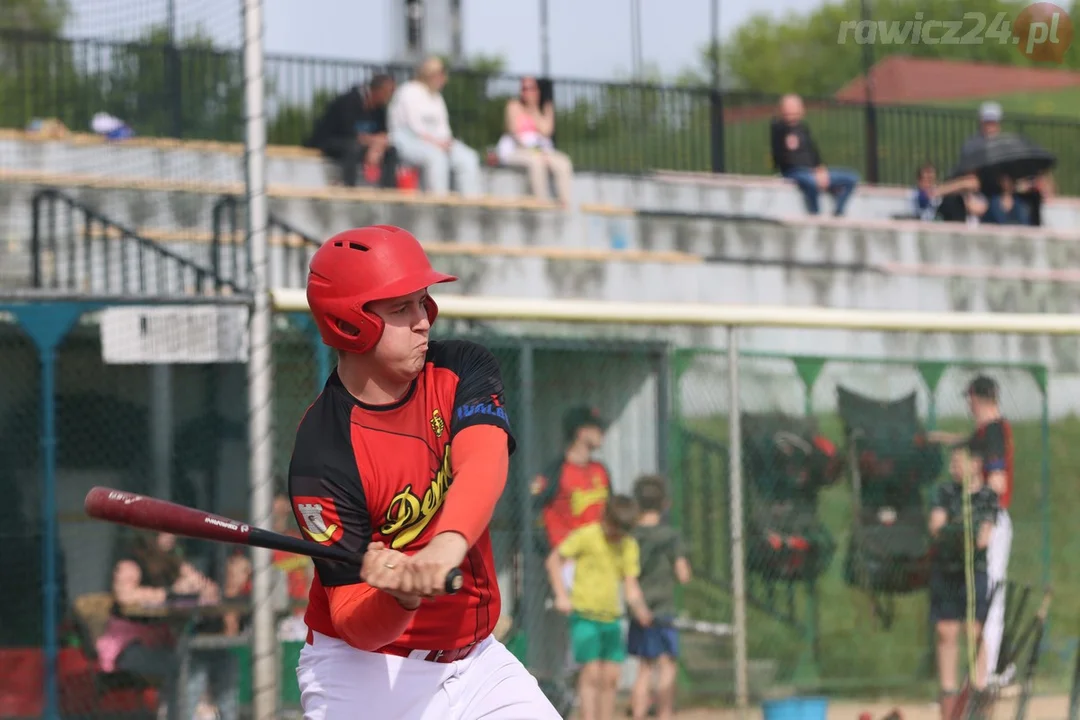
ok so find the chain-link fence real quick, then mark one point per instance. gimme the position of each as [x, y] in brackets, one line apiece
[836, 581]
[840, 476]
[74, 417]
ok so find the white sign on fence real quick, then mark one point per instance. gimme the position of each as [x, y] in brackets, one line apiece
[174, 334]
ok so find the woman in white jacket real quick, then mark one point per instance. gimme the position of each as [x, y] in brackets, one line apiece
[419, 127]
[527, 143]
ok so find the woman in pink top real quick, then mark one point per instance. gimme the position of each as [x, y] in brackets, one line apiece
[527, 143]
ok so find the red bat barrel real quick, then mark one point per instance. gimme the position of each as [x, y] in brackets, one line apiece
[163, 516]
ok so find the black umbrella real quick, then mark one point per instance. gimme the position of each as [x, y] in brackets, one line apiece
[1004, 154]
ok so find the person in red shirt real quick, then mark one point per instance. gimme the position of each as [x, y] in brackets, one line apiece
[571, 492]
[401, 460]
[574, 489]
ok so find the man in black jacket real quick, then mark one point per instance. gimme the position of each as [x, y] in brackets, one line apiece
[796, 156]
[353, 133]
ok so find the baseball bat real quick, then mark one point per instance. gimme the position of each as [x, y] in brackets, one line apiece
[140, 511]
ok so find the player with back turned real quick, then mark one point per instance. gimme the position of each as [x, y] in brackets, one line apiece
[402, 459]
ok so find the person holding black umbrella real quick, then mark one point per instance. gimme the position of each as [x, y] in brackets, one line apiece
[1004, 166]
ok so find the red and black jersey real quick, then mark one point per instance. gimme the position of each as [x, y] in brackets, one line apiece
[571, 496]
[362, 473]
[994, 443]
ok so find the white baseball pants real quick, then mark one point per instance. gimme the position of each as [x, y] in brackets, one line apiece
[339, 682]
[997, 563]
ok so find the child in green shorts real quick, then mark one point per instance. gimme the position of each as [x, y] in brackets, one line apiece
[605, 557]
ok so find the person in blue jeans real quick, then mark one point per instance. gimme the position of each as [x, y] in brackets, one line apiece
[796, 156]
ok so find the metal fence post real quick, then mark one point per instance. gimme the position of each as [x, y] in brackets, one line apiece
[716, 130]
[735, 486]
[46, 324]
[531, 598]
[265, 662]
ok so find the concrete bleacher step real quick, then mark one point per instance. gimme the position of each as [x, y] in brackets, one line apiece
[502, 246]
[321, 212]
[218, 163]
[222, 163]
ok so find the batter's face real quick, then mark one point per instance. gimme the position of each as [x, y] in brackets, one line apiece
[403, 346]
[166, 542]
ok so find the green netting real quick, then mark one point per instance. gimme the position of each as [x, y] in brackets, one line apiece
[837, 473]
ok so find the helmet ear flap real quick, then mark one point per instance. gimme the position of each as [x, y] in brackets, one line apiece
[361, 333]
[432, 309]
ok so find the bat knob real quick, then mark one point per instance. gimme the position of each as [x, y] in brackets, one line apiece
[454, 581]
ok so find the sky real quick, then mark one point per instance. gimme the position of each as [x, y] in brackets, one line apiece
[588, 38]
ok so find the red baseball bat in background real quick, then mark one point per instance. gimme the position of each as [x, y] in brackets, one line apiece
[140, 511]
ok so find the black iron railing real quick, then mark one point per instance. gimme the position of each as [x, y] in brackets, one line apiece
[289, 248]
[196, 92]
[74, 247]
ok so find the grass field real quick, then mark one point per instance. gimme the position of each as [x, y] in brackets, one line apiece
[857, 654]
[906, 137]
[1062, 104]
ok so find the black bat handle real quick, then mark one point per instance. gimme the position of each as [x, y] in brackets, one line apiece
[454, 581]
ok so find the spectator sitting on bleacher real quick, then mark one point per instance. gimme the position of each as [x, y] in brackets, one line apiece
[925, 199]
[527, 142]
[353, 133]
[1008, 201]
[796, 156]
[1006, 208]
[420, 130]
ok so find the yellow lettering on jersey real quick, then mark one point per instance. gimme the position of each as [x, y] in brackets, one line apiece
[409, 514]
[582, 500]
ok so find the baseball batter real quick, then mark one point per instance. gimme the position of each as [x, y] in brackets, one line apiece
[402, 458]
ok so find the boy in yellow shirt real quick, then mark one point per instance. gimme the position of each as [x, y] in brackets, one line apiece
[605, 556]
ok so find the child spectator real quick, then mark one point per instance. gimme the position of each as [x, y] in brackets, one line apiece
[949, 601]
[605, 555]
[926, 198]
[662, 559]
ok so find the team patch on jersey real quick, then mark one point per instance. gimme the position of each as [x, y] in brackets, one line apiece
[493, 408]
[410, 513]
[318, 518]
[438, 425]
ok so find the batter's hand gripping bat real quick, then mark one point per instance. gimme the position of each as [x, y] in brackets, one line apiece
[125, 508]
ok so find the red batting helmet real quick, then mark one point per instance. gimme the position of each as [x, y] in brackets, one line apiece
[355, 267]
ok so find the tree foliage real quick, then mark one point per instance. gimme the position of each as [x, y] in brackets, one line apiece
[192, 89]
[801, 52]
[42, 17]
